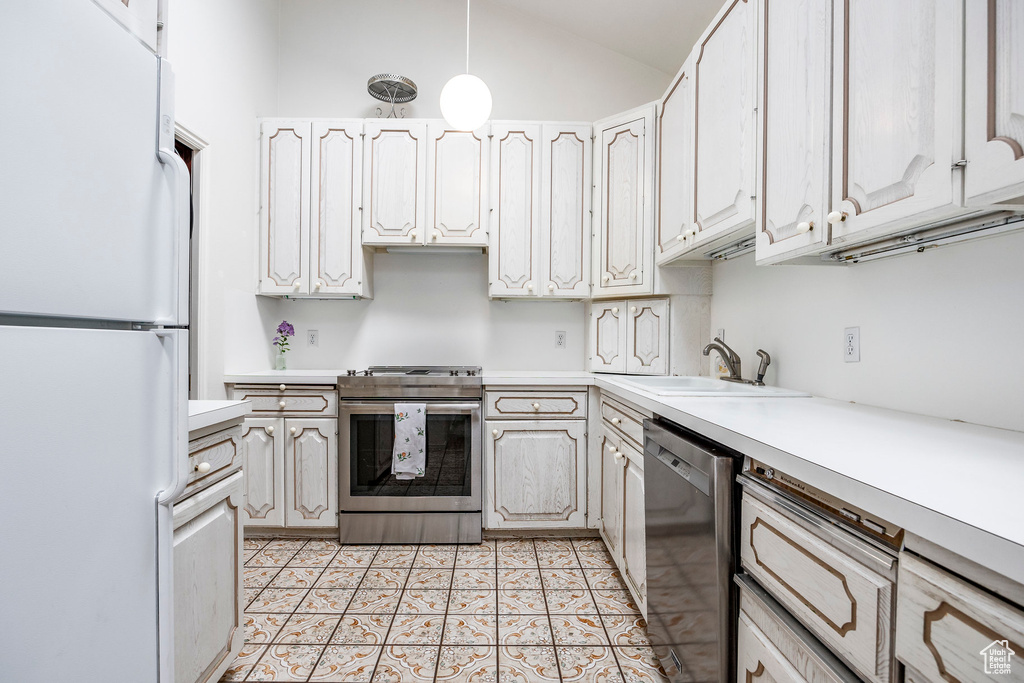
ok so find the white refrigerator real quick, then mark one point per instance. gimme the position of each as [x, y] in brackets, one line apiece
[94, 211]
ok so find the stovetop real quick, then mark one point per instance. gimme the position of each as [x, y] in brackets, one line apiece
[420, 370]
[409, 381]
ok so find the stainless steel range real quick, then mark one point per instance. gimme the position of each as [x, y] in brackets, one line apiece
[442, 506]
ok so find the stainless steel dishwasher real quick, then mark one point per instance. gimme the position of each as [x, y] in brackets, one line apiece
[689, 531]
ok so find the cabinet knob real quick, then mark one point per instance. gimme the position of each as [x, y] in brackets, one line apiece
[680, 237]
[835, 217]
[615, 310]
[536, 406]
[551, 287]
[282, 387]
[318, 285]
[434, 235]
[494, 433]
[605, 279]
[632, 276]
[611, 448]
[615, 420]
[632, 309]
[529, 286]
[691, 232]
[281, 404]
[203, 467]
[619, 456]
[804, 226]
[412, 234]
[270, 429]
[298, 284]
[292, 430]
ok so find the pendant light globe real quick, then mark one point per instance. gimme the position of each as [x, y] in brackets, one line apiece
[465, 102]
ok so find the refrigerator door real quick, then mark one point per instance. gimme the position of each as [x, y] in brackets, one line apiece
[91, 437]
[91, 218]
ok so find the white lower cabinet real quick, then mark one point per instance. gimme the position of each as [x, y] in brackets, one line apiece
[629, 337]
[536, 474]
[612, 498]
[263, 464]
[208, 630]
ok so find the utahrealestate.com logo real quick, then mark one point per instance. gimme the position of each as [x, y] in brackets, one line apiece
[997, 657]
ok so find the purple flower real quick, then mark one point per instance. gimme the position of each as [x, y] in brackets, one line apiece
[285, 329]
[276, 340]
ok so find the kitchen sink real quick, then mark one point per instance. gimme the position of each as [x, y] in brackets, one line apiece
[703, 386]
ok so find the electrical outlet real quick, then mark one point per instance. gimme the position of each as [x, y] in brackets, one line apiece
[312, 338]
[560, 339]
[851, 345]
[721, 333]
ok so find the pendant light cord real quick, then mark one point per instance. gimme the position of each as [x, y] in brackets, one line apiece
[467, 36]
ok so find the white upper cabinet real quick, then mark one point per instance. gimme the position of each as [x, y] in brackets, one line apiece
[607, 337]
[994, 107]
[794, 129]
[897, 98]
[624, 212]
[284, 206]
[514, 256]
[566, 166]
[337, 262]
[457, 196]
[647, 336]
[394, 182]
[675, 167]
[724, 86]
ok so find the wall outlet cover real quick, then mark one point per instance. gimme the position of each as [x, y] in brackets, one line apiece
[560, 339]
[312, 338]
[851, 345]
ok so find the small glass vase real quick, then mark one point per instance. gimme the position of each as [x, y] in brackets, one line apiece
[279, 363]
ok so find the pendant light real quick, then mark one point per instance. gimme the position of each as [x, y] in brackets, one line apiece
[465, 99]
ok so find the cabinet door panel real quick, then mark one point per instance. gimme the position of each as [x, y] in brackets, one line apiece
[612, 495]
[284, 206]
[514, 256]
[757, 658]
[621, 231]
[336, 253]
[724, 125]
[311, 473]
[394, 170]
[565, 216]
[894, 171]
[994, 111]
[608, 337]
[457, 166]
[647, 329]
[263, 463]
[537, 474]
[794, 128]
[675, 166]
[634, 544]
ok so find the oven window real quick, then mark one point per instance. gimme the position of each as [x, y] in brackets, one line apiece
[447, 472]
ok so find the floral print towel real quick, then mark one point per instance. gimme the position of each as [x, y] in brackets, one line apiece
[410, 454]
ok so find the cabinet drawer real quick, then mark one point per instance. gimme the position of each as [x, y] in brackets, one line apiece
[267, 401]
[949, 630]
[844, 601]
[504, 405]
[219, 450]
[624, 420]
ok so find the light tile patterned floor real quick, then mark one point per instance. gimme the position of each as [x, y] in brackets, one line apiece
[505, 611]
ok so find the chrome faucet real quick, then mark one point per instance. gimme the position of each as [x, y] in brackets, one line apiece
[763, 368]
[729, 357]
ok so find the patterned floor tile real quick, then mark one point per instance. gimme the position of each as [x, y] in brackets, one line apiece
[361, 547]
[527, 664]
[270, 558]
[312, 558]
[626, 630]
[390, 557]
[378, 577]
[423, 601]
[286, 544]
[519, 578]
[615, 602]
[286, 663]
[515, 545]
[553, 545]
[261, 628]
[640, 665]
[416, 629]
[435, 559]
[596, 559]
[521, 601]
[258, 577]
[605, 579]
[467, 664]
[362, 629]
[406, 664]
[479, 579]
[329, 600]
[524, 629]
[340, 577]
[558, 560]
[277, 600]
[588, 664]
[578, 629]
[473, 602]
[249, 594]
[583, 545]
[352, 558]
[296, 577]
[311, 629]
[470, 629]
[247, 657]
[255, 543]
[430, 578]
[578, 601]
[517, 560]
[632, 673]
[322, 544]
[348, 663]
[476, 558]
[375, 601]
[563, 579]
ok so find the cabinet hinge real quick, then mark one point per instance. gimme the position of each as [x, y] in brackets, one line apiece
[959, 164]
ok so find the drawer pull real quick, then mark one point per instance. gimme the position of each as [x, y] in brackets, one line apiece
[270, 429]
[494, 433]
[292, 430]
[203, 467]
[611, 448]
[619, 456]
[281, 404]
[282, 387]
[536, 406]
[615, 420]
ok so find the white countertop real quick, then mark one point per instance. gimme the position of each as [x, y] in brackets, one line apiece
[286, 376]
[207, 413]
[955, 484]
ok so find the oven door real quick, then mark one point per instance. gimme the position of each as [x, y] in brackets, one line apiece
[452, 479]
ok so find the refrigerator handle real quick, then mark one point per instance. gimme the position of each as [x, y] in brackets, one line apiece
[178, 339]
[183, 196]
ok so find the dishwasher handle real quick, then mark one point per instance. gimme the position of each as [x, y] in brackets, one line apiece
[691, 460]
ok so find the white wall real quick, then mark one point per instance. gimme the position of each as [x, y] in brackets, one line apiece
[329, 49]
[940, 331]
[224, 55]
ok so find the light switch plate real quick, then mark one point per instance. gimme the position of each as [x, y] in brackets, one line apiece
[851, 345]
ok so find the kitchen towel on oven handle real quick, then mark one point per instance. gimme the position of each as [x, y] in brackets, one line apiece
[409, 459]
